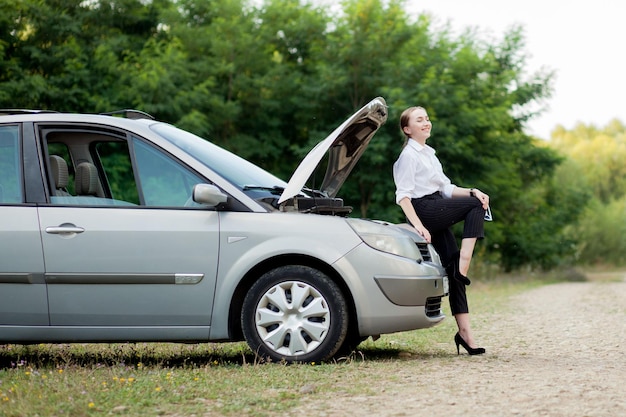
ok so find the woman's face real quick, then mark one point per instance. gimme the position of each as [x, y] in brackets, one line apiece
[419, 126]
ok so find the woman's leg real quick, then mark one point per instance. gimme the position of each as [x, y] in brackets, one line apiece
[465, 330]
[465, 256]
[463, 319]
[438, 215]
[445, 244]
[441, 213]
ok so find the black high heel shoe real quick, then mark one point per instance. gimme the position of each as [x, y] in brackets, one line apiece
[470, 350]
[453, 269]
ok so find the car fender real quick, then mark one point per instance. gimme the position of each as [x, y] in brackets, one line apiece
[247, 240]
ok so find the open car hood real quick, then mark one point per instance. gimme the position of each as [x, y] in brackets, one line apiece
[345, 145]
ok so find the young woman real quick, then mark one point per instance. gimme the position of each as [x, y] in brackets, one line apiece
[432, 204]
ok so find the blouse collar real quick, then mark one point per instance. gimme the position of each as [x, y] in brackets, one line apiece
[418, 146]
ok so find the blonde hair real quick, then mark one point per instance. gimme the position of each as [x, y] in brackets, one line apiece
[404, 121]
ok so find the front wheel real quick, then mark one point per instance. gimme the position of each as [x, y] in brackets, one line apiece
[295, 313]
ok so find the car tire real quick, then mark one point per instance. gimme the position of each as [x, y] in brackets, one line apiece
[294, 313]
[349, 347]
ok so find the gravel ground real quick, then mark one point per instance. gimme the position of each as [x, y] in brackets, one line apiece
[557, 351]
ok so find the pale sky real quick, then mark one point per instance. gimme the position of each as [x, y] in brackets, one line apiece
[582, 41]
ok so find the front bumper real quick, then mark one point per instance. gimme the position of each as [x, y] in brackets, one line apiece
[406, 291]
[392, 293]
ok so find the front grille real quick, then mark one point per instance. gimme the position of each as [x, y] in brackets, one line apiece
[424, 251]
[433, 306]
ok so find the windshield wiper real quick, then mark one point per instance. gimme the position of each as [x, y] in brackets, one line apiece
[274, 190]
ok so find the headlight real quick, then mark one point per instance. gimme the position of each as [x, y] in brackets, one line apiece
[385, 239]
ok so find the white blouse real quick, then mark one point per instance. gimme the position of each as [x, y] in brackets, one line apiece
[418, 172]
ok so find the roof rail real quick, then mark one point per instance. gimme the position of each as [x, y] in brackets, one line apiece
[5, 112]
[129, 114]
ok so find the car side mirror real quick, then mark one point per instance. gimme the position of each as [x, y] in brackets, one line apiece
[208, 194]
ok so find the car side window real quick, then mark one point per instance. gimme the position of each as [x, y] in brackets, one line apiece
[93, 167]
[163, 180]
[10, 173]
[88, 167]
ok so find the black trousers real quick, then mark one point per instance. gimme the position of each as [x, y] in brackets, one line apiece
[438, 214]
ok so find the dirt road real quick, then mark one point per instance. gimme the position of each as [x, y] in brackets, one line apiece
[559, 351]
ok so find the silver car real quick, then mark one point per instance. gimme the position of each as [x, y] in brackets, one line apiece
[126, 229]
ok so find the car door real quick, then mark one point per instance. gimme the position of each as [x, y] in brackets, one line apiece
[130, 253]
[23, 298]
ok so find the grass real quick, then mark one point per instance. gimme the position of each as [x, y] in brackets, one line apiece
[212, 379]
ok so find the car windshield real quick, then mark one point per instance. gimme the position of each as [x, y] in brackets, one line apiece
[231, 167]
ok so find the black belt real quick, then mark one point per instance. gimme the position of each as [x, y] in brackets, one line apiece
[434, 196]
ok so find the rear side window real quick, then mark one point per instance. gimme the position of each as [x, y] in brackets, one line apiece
[10, 172]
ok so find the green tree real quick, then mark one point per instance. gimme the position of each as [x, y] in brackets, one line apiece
[64, 54]
[249, 69]
[600, 154]
[601, 233]
[595, 167]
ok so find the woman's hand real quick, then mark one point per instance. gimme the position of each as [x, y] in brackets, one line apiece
[482, 197]
[409, 212]
[423, 232]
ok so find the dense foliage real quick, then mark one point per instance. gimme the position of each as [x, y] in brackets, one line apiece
[269, 79]
[595, 169]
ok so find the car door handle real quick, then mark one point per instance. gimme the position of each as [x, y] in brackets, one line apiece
[64, 229]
